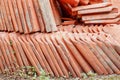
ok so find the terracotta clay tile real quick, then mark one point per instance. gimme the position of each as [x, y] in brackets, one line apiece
[96, 10]
[112, 57]
[115, 45]
[42, 45]
[1, 62]
[29, 47]
[37, 53]
[61, 28]
[33, 15]
[72, 22]
[113, 67]
[22, 17]
[13, 57]
[95, 58]
[94, 6]
[95, 29]
[101, 53]
[48, 16]
[91, 46]
[67, 54]
[39, 16]
[17, 15]
[114, 50]
[83, 29]
[101, 60]
[17, 55]
[86, 29]
[81, 60]
[2, 17]
[116, 3]
[13, 37]
[69, 28]
[9, 16]
[45, 54]
[10, 28]
[73, 53]
[14, 61]
[74, 30]
[1, 66]
[1, 23]
[76, 66]
[41, 54]
[109, 45]
[108, 21]
[73, 3]
[29, 56]
[79, 30]
[96, 68]
[13, 16]
[6, 18]
[62, 56]
[66, 19]
[8, 56]
[84, 2]
[22, 53]
[96, 43]
[55, 54]
[100, 16]
[51, 57]
[4, 64]
[27, 16]
[96, 1]
[56, 12]
[100, 28]
[106, 65]
[90, 29]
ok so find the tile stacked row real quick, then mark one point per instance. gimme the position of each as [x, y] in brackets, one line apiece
[94, 13]
[88, 28]
[75, 3]
[112, 29]
[28, 16]
[61, 54]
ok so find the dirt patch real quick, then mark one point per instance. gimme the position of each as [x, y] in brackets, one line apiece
[14, 77]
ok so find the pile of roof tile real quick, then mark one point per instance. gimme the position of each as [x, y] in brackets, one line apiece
[92, 11]
[28, 16]
[61, 54]
[75, 50]
[111, 29]
[85, 28]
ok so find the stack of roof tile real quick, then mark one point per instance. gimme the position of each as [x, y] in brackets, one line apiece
[61, 54]
[28, 16]
[76, 50]
[92, 11]
[89, 28]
